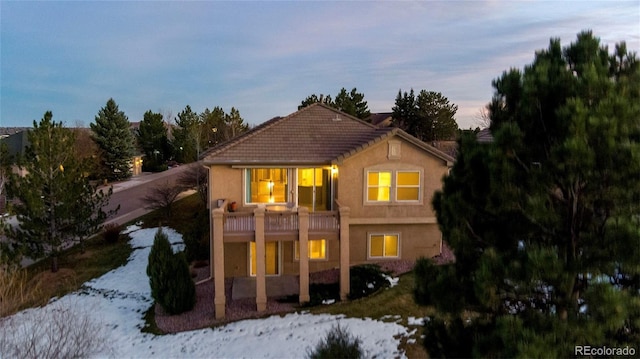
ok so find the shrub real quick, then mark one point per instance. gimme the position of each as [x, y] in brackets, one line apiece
[181, 294]
[58, 330]
[111, 233]
[338, 343]
[159, 267]
[366, 279]
[196, 238]
[431, 278]
[169, 277]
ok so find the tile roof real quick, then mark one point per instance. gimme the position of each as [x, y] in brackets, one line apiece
[317, 134]
[484, 136]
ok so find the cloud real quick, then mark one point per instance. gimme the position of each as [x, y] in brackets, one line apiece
[265, 57]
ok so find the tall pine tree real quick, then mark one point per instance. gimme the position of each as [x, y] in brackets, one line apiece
[429, 116]
[352, 102]
[152, 138]
[545, 221]
[55, 205]
[188, 136]
[116, 142]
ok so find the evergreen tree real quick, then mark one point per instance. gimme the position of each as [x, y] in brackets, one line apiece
[159, 266]
[313, 98]
[152, 138]
[215, 126]
[188, 136]
[169, 277]
[352, 103]
[234, 124]
[56, 205]
[545, 221]
[112, 134]
[181, 294]
[429, 116]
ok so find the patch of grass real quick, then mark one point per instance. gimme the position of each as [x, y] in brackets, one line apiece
[77, 266]
[184, 212]
[392, 305]
[150, 325]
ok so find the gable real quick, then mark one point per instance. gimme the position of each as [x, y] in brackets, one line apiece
[395, 148]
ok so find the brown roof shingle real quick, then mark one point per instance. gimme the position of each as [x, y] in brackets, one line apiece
[317, 134]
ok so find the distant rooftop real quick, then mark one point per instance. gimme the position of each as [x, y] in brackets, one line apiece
[484, 136]
[6, 131]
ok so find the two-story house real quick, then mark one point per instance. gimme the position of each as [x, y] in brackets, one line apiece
[316, 190]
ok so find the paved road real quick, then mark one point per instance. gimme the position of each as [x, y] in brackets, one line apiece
[129, 194]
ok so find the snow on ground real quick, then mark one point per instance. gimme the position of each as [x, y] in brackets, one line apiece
[119, 299]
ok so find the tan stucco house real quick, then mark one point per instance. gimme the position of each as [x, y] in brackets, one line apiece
[323, 183]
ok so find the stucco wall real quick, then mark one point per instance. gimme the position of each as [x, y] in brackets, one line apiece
[352, 185]
[236, 259]
[415, 241]
[226, 183]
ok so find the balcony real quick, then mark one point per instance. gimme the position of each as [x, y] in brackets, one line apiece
[279, 224]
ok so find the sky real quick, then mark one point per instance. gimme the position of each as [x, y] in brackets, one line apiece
[265, 57]
[112, 307]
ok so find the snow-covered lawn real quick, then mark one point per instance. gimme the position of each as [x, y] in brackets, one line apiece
[117, 302]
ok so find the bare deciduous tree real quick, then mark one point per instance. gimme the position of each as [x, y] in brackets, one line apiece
[195, 177]
[161, 197]
[482, 118]
[59, 330]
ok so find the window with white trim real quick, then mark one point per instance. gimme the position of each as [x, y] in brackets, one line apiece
[384, 245]
[378, 186]
[407, 186]
[317, 249]
[393, 186]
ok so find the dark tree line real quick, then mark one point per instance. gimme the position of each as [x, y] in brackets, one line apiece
[545, 220]
[429, 116]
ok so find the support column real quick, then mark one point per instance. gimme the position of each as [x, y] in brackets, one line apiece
[345, 285]
[261, 288]
[303, 239]
[217, 261]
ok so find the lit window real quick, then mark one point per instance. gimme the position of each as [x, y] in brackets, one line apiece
[266, 185]
[378, 186]
[384, 245]
[407, 186]
[271, 256]
[317, 249]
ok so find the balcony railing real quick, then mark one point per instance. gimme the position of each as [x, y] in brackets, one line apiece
[239, 222]
[324, 221]
[280, 222]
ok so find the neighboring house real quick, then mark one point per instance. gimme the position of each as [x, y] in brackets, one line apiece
[382, 119]
[16, 140]
[324, 183]
[484, 136]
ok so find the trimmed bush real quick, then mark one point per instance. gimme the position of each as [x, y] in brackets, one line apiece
[366, 279]
[169, 277]
[181, 294]
[159, 266]
[111, 233]
[338, 343]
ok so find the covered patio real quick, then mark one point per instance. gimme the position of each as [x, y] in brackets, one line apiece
[261, 225]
